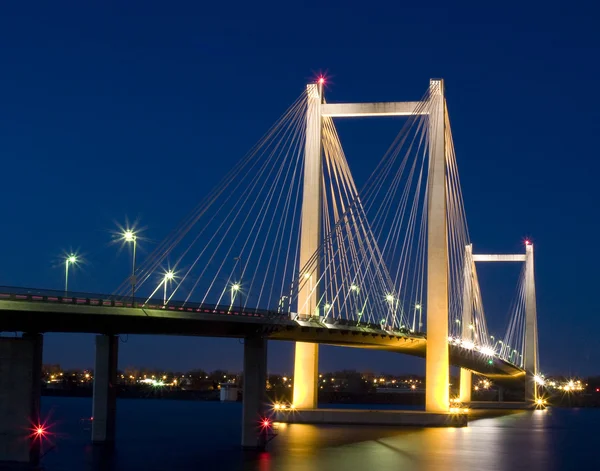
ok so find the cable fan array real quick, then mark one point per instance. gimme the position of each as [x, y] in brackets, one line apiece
[353, 284]
[240, 246]
[512, 347]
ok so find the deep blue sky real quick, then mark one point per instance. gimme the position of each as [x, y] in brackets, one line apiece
[112, 111]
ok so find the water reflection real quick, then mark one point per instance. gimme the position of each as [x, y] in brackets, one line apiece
[514, 442]
[191, 436]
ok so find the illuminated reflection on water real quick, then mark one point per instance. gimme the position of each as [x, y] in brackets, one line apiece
[512, 442]
[181, 435]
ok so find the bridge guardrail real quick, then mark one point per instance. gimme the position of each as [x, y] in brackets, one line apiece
[94, 299]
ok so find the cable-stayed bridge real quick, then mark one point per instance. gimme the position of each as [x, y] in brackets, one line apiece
[288, 247]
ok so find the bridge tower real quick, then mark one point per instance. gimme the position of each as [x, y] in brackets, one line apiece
[530, 353]
[467, 319]
[530, 359]
[437, 363]
[306, 363]
[437, 360]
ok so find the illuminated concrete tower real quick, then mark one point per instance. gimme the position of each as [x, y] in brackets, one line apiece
[437, 359]
[467, 319]
[437, 362]
[530, 359]
[306, 363]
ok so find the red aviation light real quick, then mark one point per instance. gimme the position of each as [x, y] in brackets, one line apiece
[265, 423]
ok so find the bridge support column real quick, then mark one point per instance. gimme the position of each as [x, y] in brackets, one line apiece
[531, 334]
[20, 383]
[437, 358]
[465, 385]
[254, 392]
[306, 362]
[104, 407]
[467, 319]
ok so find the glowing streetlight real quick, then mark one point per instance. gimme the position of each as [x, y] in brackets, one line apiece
[487, 351]
[70, 260]
[235, 287]
[419, 307]
[129, 236]
[539, 380]
[168, 277]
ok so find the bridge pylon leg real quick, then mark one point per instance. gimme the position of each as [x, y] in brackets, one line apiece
[104, 401]
[467, 319]
[531, 334]
[254, 393]
[437, 362]
[20, 384]
[307, 354]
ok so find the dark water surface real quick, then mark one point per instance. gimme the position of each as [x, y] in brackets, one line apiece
[186, 435]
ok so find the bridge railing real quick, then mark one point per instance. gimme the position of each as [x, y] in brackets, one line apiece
[13, 293]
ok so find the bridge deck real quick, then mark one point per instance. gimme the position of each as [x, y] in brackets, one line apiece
[38, 311]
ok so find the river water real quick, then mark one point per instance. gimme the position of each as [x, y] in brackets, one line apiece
[189, 435]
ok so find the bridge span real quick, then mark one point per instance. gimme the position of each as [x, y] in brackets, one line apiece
[43, 311]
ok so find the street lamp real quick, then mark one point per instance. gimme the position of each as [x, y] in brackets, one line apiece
[168, 277]
[235, 287]
[70, 260]
[129, 236]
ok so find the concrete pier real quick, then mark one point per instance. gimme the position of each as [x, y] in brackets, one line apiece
[20, 383]
[254, 392]
[104, 407]
[372, 417]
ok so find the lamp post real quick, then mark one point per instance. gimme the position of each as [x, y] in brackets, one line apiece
[70, 260]
[235, 287]
[168, 277]
[418, 307]
[129, 236]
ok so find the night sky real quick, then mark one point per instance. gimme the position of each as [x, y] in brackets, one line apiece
[113, 112]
